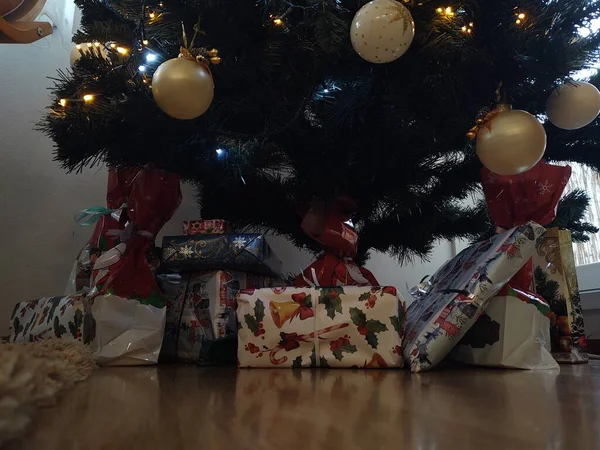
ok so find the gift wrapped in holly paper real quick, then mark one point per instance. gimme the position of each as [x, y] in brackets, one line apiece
[347, 326]
[200, 324]
[204, 226]
[335, 265]
[123, 315]
[514, 200]
[244, 252]
[447, 305]
[108, 224]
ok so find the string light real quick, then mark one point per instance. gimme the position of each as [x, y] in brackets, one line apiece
[278, 21]
[518, 21]
[122, 50]
[145, 41]
[96, 44]
[142, 68]
[520, 18]
[447, 11]
[152, 15]
[89, 44]
[113, 45]
[150, 57]
[88, 98]
[62, 102]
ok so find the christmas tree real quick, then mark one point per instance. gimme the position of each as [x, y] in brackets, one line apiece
[300, 119]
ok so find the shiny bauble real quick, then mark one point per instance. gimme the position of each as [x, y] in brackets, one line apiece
[573, 105]
[183, 88]
[512, 142]
[382, 31]
[89, 48]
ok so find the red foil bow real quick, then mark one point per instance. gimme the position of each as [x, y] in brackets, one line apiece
[516, 199]
[334, 267]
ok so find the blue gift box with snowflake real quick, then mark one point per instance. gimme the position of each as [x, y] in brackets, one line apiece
[245, 252]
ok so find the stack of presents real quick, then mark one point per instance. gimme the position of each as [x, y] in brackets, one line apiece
[212, 296]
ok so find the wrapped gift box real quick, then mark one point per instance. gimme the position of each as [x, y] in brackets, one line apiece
[513, 332]
[119, 331]
[450, 302]
[556, 281]
[243, 252]
[200, 313]
[214, 226]
[347, 326]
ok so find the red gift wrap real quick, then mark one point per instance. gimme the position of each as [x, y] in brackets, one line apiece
[335, 266]
[514, 200]
[124, 269]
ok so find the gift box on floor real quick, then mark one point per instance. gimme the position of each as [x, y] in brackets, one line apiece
[119, 331]
[347, 326]
[556, 281]
[450, 302]
[201, 226]
[201, 316]
[513, 332]
[243, 252]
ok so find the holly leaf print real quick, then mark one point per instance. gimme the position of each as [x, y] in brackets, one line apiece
[259, 310]
[18, 327]
[373, 327]
[59, 329]
[330, 297]
[297, 363]
[348, 348]
[54, 302]
[364, 296]
[357, 316]
[395, 320]
[323, 362]
[251, 323]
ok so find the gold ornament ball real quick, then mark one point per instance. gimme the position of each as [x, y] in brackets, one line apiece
[183, 89]
[573, 105]
[382, 31]
[511, 143]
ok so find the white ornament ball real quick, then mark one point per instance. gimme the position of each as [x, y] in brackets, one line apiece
[182, 88]
[382, 31]
[573, 105]
[88, 48]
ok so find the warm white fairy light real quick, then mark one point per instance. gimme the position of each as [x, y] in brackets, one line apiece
[145, 42]
[88, 98]
[62, 102]
[122, 50]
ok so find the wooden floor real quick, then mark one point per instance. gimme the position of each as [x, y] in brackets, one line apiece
[186, 407]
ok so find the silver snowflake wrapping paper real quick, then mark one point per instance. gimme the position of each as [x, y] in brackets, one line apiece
[450, 302]
[344, 326]
[244, 252]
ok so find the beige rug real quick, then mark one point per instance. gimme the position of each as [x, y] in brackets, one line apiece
[32, 375]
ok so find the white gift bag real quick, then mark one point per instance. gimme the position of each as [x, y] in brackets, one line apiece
[513, 332]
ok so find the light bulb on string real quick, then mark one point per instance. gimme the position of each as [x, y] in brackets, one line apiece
[62, 102]
[122, 50]
[142, 68]
[88, 98]
[221, 153]
[150, 57]
[145, 42]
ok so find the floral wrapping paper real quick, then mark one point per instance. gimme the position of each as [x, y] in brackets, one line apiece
[201, 226]
[243, 252]
[347, 326]
[200, 312]
[556, 281]
[454, 297]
